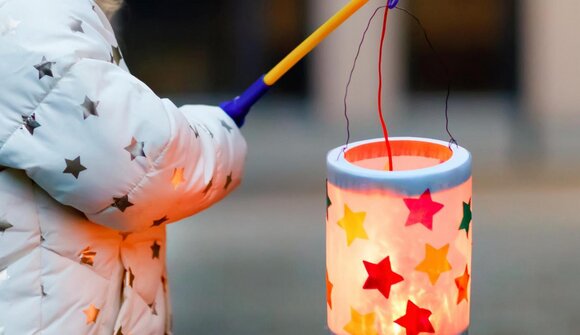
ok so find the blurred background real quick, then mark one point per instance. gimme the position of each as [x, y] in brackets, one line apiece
[255, 263]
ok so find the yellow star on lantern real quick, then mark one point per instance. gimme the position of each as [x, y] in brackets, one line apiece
[92, 312]
[361, 324]
[177, 178]
[435, 262]
[352, 223]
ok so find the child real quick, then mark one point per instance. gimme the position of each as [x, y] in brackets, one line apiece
[93, 166]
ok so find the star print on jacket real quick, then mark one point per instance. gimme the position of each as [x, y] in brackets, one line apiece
[381, 277]
[161, 221]
[87, 256]
[422, 210]
[44, 68]
[89, 108]
[228, 181]
[76, 25]
[30, 123]
[416, 320]
[91, 313]
[74, 167]
[116, 53]
[136, 148]
[155, 248]
[122, 203]
[4, 226]
[226, 126]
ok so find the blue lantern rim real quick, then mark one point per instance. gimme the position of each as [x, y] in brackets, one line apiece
[449, 173]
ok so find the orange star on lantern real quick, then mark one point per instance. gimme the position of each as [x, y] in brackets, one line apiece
[416, 320]
[422, 210]
[177, 178]
[361, 324]
[329, 287]
[352, 223]
[435, 262]
[92, 312]
[462, 282]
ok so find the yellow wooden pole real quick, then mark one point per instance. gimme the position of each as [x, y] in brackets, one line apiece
[312, 41]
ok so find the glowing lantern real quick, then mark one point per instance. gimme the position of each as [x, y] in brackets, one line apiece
[399, 242]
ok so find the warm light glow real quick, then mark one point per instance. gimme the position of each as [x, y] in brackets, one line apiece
[422, 236]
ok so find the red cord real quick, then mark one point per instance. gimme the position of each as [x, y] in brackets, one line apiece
[380, 97]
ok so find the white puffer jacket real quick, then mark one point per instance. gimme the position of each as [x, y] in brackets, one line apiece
[93, 165]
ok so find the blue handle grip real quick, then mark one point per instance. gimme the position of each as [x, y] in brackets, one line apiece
[239, 107]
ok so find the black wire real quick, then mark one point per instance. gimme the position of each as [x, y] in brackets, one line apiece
[445, 68]
[351, 74]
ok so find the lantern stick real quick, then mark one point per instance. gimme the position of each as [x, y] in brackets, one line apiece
[239, 107]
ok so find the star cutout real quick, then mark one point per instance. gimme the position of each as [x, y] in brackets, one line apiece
[74, 167]
[416, 320]
[131, 277]
[136, 148]
[30, 123]
[422, 210]
[328, 202]
[352, 223]
[361, 324]
[228, 181]
[76, 25]
[161, 221]
[381, 277]
[89, 108]
[44, 68]
[155, 248]
[208, 187]
[329, 287]
[91, 312]
[4, 275]
[462, 282]
[87, 256]
[466, 220]
[227, 126]
[10, 27]
[4, 226]
[177, 178]
[117, 57]
[122, 203]
[435, 262]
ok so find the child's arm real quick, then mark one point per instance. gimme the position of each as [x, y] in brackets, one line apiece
[99, 140]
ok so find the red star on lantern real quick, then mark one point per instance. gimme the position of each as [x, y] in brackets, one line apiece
[462, 282]
[422, 210]
[381, 277]
[329, 287]
[416, 320]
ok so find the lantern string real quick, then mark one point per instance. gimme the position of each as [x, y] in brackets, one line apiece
[353, 68]
[380, 90]
[443, 66]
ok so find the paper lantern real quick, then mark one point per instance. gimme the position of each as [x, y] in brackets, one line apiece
[399, 242]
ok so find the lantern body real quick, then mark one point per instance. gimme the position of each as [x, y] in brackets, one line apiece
[399, 242]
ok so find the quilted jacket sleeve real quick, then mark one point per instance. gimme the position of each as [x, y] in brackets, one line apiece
[100, 141]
